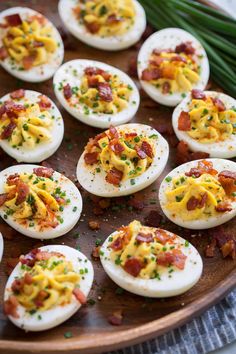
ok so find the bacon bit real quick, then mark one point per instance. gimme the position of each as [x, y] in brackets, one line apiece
[176, 258]
[203, 200]
[8, 130]
[28, 279]
[133, 266]
[198, 94]
[96, 252]
[3, 53]
[114, 176]
[17, 94]
[206, 167]
[22, 191]
[3, 198]
[91, 158]
[67, 91]
[136, 203]
[105, 92]
[11, 109]
[157, 61]
[219, 104]
[223, 207]
[210, 249]
[194, 172]
[192, 203]
[116, 147]
[229, 249]
[151, 74]
[94, 225]
[113, 19]
[93, 71]
[161, 236]
[178, 58]
[184, 122]
[113, 132]
[142, 237]
[153, 219]
[166, 87]
[116, 318]
[228, 174]
[92, 81]
[30, 258]
[185, 47]
[43, 172]
[10, 307]
[132, 66]
[44, 102]
[42, 295]
[80, 296]
[117, 244]
[146, 147]
[2, 110]
[92, 27]
[13, 179]
[28, 61]
[37, 44]
[227, 180]
[141, 154]
[17, 285]
[130, 135]
[13, 20]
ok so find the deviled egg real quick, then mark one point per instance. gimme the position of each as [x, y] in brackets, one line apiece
[200, 194]
[36, 201]
[96, 93]
[206, 121]
[122, 160]
[48, 286]
[1, 246]
[31, 126]
[171, 62]
[31, 48]
[149, 261]
[104, 24]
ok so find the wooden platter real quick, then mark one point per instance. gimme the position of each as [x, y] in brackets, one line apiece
[143, 318]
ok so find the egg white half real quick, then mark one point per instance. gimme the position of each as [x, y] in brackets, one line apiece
[65, 8]
[1, 246]
[68, 215]
[179, 282]
[44, 149]
[206, 223]
[222, 149]
[95, 183]
[38, 73]
[168, 39]
[55, 316]
[66, 74]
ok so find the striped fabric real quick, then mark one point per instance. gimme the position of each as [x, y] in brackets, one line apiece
[214, 329]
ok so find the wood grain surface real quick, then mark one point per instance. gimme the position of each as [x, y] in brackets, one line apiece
[143, 318]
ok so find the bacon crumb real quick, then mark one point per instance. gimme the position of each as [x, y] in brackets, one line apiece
[116, 318]
[94, 225]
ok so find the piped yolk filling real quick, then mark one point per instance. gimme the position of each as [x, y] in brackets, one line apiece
[106, 18]
[33, 199]
[144, 252]
[208, 120]
[122, 155]
[200, 193]
[172, 70]
[29, 43]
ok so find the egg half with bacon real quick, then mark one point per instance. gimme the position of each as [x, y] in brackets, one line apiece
[1, 246]
[122, 160]
[48, 286]
[96, 93]
[171, 62]
[31, 126]
[104, 24]
[31, 48]
[149, 261]
[36, 201]
[206, 121]
[200, 194]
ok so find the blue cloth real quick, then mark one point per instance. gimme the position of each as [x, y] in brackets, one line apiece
[213, 330]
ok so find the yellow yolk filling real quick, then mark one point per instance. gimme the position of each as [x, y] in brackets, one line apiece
[54, 276]
[32, 127]
[180, 76]
[30, 39]
[102, 12]
[183, 188]
[208, 125]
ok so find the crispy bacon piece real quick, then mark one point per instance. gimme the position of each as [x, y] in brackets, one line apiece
[184, 122]
[67, 91]
[92, 27]
[44, 102]
[28, 279]
[92, 80]
[198, 94]
[96, 252]
[194, 172]
[94, 224]
[17, 94]
[228, 174]
[222, 207]
[114, 176]
[17, 285]
[157, 61]
[161, 236]
[37, 44]
[116, 318]
[227, 180]
[105, 91]
[142, 237]
[151, 74]
[43, 172]
[13, 20]
[166, 87]
[116, 146]
[22, 190]
[141, 154]
[42, 295]
[45, 255]
[203, 200]
[130, 135]
[13, 179]
[8, 130]
[210, 249]
[229, 249]
[178, 58]
[113, 19]
[3, 53]
[117, 244]
[206, 167]
[175, 257]
[192, 203]
[10, 307]
[12, 109]
[3, 198]
[219, 104]
[93, 71]
[185, 47]
[28, 61]
[30, 258]
[90, 158]
[133, 266]
[80, 296]
[146, 147]
[113, 132]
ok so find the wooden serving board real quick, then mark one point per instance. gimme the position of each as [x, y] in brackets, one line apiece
[143, 318]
